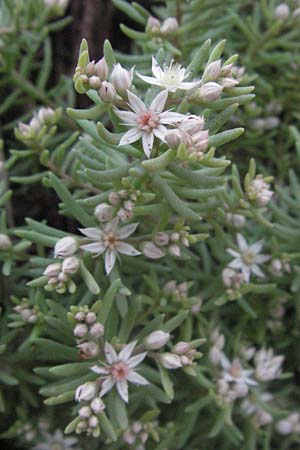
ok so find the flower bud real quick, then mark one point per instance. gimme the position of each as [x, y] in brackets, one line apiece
[213, 70]
[80, 316]
[97, 405]
[121, 79]
[90, 318]
[5, 242]
[114, 198]
[86, 391]
[107, 92]
[161, 239]
[153, 25]
[89, 349]
[210, 91]
[52, 270]
[181, 348]
[284, 427]
[70, 265]
[93, 421]
[80, 330]
[174, 250]
[228, 82]
[45, 115]
[152, 251]
[97, 330]
[66, 246]
[90, 68]
[169, 25]
[101, 69]
[84, 412]
[156, 340]
[104, 212]
[170, 361]
[94, 82]
[282, 11]
[174, 138]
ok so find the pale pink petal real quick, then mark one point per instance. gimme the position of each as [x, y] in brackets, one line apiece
[148, 139]
[110, 353]
[129, 117]
[131, 136]
[235, 264]
[246, 272]
[92, 233]
[135, 378]
[107, 385]
[158, 103]
[100, 370]
[256, 270]
[127, 249]
[112, 225]
[233, 253]
[125, 353]
[262, 258]
[149, 80]
[256, 248]
[136, 360]
[169, 117]
[160, 132]
[110, 259]
[185, 85]
[136, 103]
[94, 247]
[122, 387]
[126, 231]
[242, 243]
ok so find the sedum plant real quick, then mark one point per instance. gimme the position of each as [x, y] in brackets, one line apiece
[154, 320]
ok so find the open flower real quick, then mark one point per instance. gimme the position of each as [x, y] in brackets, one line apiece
[119, 369]
[109, 239]
[147, 123]
[248, 259]
[171, 77]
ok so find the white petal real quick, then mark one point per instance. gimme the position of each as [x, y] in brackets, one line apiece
[128, 116]
[136, 360]
[246, 272]
[135, 378]
[92, 233]
[149, 80]
[107, 385]
[169, 117]
[110, 259]
[233, 253]
[94, 247]
[235, 264]
[185, 85]
[112, 225]
[256, 270]
[160, 132]
[126, 231]
[100, 370]
[122, 387]
[242, 243]
[156, 70]
[127, 249]
[131, 136]
[136, 103]
[125, 353]
[158, 103]
[110, 353]
[148, 139]
[262, 258]
[256, 248]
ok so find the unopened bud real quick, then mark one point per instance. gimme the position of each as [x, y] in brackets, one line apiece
[70, 265]
[89, 349]
[174, 138]
[114, 198]
[101, 69]
[93, 421]
[94, 82]
[212, 71]
[169, 25]
[170, 361]
[104, 212]
[161, 239]
[282, 11]
[153, 25]
[152, 251]
[52, 270]
[97, 405]
[97, 330]
[181, 348]
[121, 79]
[80, 330]
[107, 92]
[5, 242]
[210, 92]
[174, 250]
[84, 412]
[156, 340]
[80, 316]
[90, 318]
[66, 246]
[86, 391]
[90, 68]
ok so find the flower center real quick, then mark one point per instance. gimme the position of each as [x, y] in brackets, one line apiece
[235, 369]
[248, 257]
[119, 370]
[110, 240]
[147, 121]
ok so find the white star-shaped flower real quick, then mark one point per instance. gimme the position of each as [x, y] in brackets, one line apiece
[118, 369]
[109, 239]
[248, 259]
[170, 77]
[147, 122]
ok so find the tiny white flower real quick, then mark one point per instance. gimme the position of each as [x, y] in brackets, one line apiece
[248, 259]
[268, 366]
[110, 239]
[147, 122]
[170, 77]
[119, 369]
[235, 373]
[56, 440]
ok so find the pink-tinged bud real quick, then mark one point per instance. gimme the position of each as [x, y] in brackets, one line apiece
[175, 237]
[94, 82]
[121, 79]
[114, 198]
[129, 205]
[35, 124]
[24, 129]
[174, 138]
[124, 214]
[170, 361]
[52, 270]
[181, 348]
[101, 69]
[284, 427]
[25, 314]
[5, 242]
[90, 318]
[107, 92]
[62, 277]
[86, 391]
[45, 115]
[80, 316]
[153, 25]
[32, 318]
[174, 250]
[65, 247]
[170, 287]
[90, 69]
[129, 437]
[84, 412]
[210, 92]
[228, 82]
[136, 427]
[152, 251]
[97, 330]
[70, 265]
[161, 239]
[237, 220]
[185, 360]
[144, 436]
[89, 349]
[213, 70]
[84, 78]
[156, 340]
[80, 330]
[192, 124]
[169, 26]
[226, 70]
[104, 212]
[282, 11]
[97, 405]
[93, 421]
